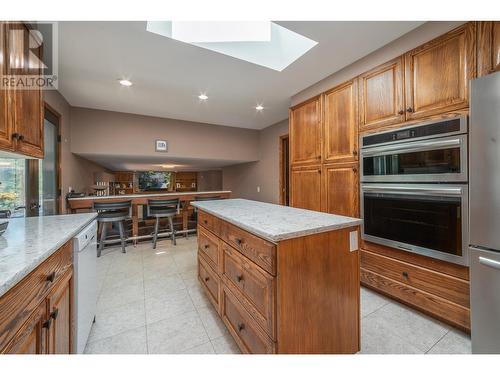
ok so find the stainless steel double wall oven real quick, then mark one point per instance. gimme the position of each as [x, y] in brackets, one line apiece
[414, 190]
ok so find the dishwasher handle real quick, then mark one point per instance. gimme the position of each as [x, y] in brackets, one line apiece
[489, 262]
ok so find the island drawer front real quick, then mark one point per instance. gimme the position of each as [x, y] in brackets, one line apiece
[258, 250]
[256, 286]
[209, 248]
[22, 300]
[246, 332]
[447, 287]
[210, 222]
[210, 281]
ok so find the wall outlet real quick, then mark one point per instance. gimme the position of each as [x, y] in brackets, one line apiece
[258, 189]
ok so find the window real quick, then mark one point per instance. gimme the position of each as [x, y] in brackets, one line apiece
[12, 187]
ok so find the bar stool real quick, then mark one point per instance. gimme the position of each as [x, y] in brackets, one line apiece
[112, 212]
[163, 208]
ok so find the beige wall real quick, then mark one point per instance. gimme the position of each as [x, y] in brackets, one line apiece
[414, 38]
[243, 179]
[209, 180]
[76, 172]
[97, 132]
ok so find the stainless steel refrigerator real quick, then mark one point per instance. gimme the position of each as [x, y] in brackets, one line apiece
[484, 200]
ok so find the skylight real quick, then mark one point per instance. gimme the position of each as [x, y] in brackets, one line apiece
[263, 43]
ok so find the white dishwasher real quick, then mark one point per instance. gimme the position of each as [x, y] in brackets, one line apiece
[85, 284]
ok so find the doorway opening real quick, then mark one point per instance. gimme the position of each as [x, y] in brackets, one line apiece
[284, 170]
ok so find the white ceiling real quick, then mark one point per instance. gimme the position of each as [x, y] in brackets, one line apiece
[168, 75]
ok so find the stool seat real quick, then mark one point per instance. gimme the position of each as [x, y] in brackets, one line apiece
[163, 208]
[112, 212]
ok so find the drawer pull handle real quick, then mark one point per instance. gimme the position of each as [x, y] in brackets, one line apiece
[401, 112]
[241, 327]
[51, 277]
[47, 324]
[205, 221]
[239, 241]
[54, 314]
[239, 278]
[409, 109]
[405, 274]
[206, 246]
[354, 152]
[207, 278]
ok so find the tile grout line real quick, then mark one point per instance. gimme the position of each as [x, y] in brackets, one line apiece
[144, 302]
[438, 341]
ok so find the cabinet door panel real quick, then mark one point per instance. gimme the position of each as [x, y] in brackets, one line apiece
[59, 301]
[341, 123]
[381, 96]
[305, 188]
[340, 190]
[488, 50]
[437, 74]
[31, 338]
[305, 133]
[5, 118]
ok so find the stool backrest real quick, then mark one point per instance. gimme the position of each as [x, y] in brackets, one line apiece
[158, 204]
[113, 206]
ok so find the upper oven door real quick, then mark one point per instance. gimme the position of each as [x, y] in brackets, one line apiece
[428, 219]
[431, 160]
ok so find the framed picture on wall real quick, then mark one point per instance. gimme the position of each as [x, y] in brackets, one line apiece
[161, 145]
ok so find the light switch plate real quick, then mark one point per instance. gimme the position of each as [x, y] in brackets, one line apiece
[353, 240]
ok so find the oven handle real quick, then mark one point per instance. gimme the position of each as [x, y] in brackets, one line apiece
[414, 146]
[452, 191]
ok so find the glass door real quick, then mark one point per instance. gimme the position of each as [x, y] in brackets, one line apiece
[47, 183]
[12, 187]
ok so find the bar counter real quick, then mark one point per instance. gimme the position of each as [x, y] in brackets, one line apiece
[86, 203]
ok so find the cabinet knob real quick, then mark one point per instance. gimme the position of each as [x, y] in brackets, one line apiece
[21, 138]
[47, 323]
[15, 136]
[405, 274]
[239, 241]
[354, 152]
[239, 278]
[402, 112]
[206, 246]
[241, 327]
[207, 278]
[409, 109]
[205, 221]
[51, 277]
[54, 314]
[354, 169]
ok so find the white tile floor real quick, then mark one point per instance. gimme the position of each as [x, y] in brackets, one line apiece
[150, 302]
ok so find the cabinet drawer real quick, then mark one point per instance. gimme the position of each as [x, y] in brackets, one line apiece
[22, 300]
[210, 282]
[209, 248]
[255, 248]
[209, 222]
[256, 285]
[447, 287]
[250, 338]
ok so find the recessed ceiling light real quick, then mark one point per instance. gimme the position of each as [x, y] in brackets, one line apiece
[125, 82]
[259, 108]
[203, 97]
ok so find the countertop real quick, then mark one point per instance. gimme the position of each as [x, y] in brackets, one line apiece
[145, 195]
[27, 242]
[274, 222]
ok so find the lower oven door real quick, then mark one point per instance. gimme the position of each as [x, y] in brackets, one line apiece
[430, 219]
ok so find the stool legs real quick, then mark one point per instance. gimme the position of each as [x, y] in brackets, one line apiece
[155, 233]
[103, 237]
[122, 235]
[171, 223]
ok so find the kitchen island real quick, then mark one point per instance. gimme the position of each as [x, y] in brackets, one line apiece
[141, 199]
[283, 280]
[36, 283]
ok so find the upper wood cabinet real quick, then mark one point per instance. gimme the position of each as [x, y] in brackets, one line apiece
[488, 47]
[21, 110]
[305, 132]
[341, 123]
[340, 189]
[437, 73]
[381, 95]
[305, 188]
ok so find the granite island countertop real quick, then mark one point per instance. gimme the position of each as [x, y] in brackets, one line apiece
[27, 242]
[274, 222]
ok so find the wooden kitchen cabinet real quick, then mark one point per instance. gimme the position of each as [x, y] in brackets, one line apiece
[341, 189]
[381, 95]
[22, 111]
[36, 313]
[59, 307]
[32, 337]
[341, 123]
[488, 47]
[305, 132]
[305, 187]
[437, 74]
